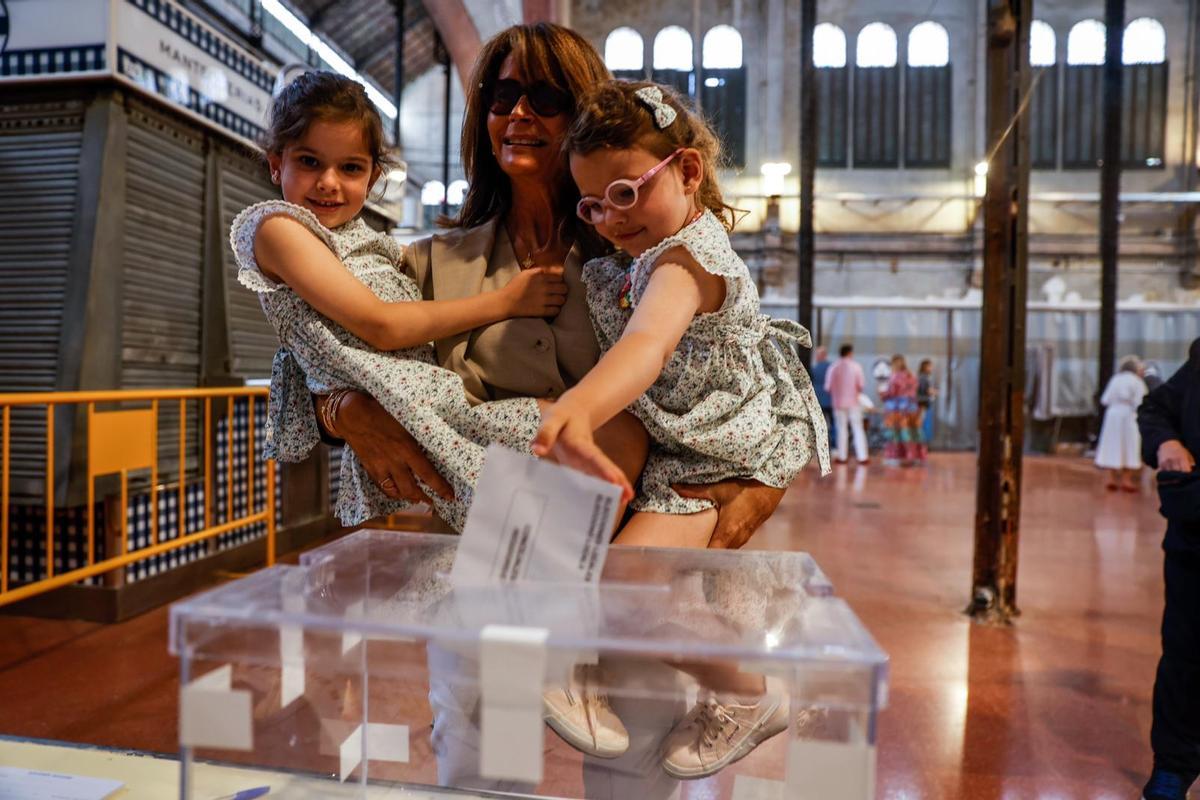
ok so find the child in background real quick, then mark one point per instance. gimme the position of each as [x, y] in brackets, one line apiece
[719, 386]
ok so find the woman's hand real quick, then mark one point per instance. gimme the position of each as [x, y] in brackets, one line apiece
[742, 506]
[1172, 455]
[389, 454]
[566, 437]
[536, 292]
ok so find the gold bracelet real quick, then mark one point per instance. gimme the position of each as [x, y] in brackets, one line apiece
[330, 409]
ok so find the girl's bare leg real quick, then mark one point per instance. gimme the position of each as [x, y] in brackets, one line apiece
[649, 529]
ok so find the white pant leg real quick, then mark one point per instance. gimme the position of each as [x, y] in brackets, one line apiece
[860, 436]
[649, 697]
[841, 421]
[454, 700]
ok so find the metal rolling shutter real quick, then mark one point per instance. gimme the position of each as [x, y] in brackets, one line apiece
[39, 164]
[1083, 107]
[1143, 116]
[927, 117]
[833, 99]
[876, 116]
[1043, 119]
[163, 268]
[252, 340]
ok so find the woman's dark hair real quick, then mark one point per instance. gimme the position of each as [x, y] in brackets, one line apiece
[544, 52]
[613, 116]
[317, 95]
[845, 350]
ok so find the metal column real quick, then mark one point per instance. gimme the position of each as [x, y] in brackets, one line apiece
[1002, 367]
[808, 167]
[398, 93]
[1110, 190]
[445, 54]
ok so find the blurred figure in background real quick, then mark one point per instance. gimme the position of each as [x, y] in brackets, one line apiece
[819, 369]
[926, 393]
[1119, 449]
[845, 381]
[902, 417]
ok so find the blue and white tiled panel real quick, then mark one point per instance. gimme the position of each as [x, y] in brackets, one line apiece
[241, 435]
[335, 473]
[137, 517]
[139, 512]
[27, 541]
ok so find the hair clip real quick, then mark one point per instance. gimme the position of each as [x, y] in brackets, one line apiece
[652, 96]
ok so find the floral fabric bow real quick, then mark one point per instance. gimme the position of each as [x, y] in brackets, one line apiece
[652, 96]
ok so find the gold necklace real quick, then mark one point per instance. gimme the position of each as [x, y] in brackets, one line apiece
[527, 262]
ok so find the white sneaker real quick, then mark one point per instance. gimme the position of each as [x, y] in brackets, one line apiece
[581, 715]
[715, 734]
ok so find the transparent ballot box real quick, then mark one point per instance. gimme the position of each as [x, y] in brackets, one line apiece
[364, 672]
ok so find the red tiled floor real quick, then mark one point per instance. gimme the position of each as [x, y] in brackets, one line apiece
[1056, 706]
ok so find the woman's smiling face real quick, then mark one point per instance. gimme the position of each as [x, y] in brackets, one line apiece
[328, 170]
[526, 145]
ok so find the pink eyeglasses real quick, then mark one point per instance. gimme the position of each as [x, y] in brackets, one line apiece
[621, 194]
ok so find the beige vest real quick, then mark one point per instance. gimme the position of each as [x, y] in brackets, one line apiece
[523, 357]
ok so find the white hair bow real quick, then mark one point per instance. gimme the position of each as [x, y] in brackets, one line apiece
[652, 96]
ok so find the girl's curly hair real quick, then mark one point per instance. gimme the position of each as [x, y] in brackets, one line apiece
[612, 116]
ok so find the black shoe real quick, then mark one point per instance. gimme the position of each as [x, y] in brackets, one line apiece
[1165, 785]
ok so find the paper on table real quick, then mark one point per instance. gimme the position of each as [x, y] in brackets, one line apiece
[533, 520]
[28, 784]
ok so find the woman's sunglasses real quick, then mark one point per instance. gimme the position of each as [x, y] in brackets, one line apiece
[621, 194]
[544, 99]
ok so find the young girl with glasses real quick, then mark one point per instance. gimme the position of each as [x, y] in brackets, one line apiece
[720, 388]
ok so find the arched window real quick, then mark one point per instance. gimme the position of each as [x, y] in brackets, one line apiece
[673, 60]
[1085, 43]
[456, 192]
[432, 193]
[876, 98]
[722, 48]
[673, 49]
[829, 46]
[876, 46]
[1043, 105]
[624, 50]
[1144, 99]
[927, 115]
[833, 91]
[723, 95]
[1145, 42]
[928, 46]
[1042, 46]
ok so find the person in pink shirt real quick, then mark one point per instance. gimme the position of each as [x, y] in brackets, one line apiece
[844, 381]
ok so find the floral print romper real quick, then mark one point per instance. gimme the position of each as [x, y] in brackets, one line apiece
[430, 402]
[734, 401]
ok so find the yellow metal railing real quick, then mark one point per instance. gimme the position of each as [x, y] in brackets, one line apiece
[124, 440]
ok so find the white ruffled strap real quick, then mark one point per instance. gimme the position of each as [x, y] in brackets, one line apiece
[245, 227]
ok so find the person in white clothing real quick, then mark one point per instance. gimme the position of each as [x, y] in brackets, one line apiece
[844, 381]
[1119, 449]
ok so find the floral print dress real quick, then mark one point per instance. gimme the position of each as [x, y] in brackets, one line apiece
[734, 401]
[428, 401]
